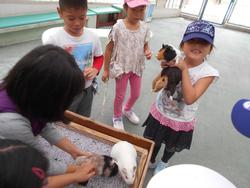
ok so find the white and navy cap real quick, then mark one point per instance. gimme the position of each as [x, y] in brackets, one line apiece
[200, 29]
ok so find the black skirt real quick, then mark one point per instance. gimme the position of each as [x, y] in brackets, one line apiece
[174, 140]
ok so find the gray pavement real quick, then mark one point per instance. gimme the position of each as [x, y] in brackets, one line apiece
[216, 144]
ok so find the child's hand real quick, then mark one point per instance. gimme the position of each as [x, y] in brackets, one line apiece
[84, 172]
[165, 64]
[181, 64]
[105, 76]
[90, 73]
[148, 54]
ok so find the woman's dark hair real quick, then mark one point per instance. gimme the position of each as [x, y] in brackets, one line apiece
[44, 83]
[21, 165]
[65, 4]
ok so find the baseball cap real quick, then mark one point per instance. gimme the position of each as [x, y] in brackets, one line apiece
[241, 116]
[136, 3]
[199, 29]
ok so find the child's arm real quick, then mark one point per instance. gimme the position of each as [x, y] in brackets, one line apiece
[91, 72]
[147, 51]
[192, 92]
[154, 82]
[107, 57]
[80, 174]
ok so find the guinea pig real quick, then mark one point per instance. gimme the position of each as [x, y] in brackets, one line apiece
[105, 165]
[125, 155]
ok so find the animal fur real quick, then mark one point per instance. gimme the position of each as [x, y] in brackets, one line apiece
[169, 76]
[125, 155]
[105, 165]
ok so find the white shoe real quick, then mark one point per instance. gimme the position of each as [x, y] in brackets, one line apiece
[160, 166]
[132, 117]
[117, 123]
[152, 165]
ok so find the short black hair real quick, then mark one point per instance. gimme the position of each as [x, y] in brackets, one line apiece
[64, 4]
[17, 160]
[44, 83]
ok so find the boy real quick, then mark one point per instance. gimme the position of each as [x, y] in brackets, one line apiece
[83, 44]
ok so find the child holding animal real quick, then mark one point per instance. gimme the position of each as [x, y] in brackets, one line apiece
[124, 59]
[32, 96]
[172, 116]
[83, 44]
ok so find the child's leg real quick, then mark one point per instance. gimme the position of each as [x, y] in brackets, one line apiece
[85, 105]
[120, 91]
[167, 155]
[135, 89]
[155, 152]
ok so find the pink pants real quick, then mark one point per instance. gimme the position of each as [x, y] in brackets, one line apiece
[120, 92]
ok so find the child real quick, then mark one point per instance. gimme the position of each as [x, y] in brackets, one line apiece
[171, 121]
[124, 58]
[83, 44]
[34, 94]
[25, 166]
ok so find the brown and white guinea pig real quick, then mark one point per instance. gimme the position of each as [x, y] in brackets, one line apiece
[125, 155]
[167, 53]
[170, 76]
[105, 165]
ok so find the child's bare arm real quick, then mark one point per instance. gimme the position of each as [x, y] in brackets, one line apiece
[154, 82]
[107, 57]
[80, 174]
[192, 92]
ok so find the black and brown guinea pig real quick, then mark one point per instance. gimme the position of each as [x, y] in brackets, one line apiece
[105, 165]
[169, 76]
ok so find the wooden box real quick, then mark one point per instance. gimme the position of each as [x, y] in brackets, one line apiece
[110, 135]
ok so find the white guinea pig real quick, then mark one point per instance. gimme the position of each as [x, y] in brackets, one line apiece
[125, 155]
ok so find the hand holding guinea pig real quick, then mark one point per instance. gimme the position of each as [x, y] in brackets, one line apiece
[104, 165]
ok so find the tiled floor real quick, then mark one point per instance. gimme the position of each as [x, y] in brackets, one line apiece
[216, 144]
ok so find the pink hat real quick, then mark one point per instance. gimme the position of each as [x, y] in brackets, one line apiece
[136, 3]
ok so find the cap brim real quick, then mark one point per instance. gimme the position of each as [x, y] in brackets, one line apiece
[240, 117]
[197, 35]
[133, 4]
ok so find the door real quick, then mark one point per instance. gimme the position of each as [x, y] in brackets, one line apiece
[216, 10]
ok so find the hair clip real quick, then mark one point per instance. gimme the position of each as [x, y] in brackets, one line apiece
[38, 172]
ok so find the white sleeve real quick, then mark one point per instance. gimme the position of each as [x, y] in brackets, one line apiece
[47, 37]
[51, 134]
[97, 47]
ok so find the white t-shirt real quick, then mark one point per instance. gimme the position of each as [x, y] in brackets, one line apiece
[174, 108]
[83, 48]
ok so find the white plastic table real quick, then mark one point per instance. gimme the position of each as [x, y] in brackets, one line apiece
[189, 176]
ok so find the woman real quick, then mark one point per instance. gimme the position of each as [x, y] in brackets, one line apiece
[35, 93]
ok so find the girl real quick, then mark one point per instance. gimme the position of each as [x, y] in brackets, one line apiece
[171, 121]
[33, 95]
[21, 165]
[124, 58]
